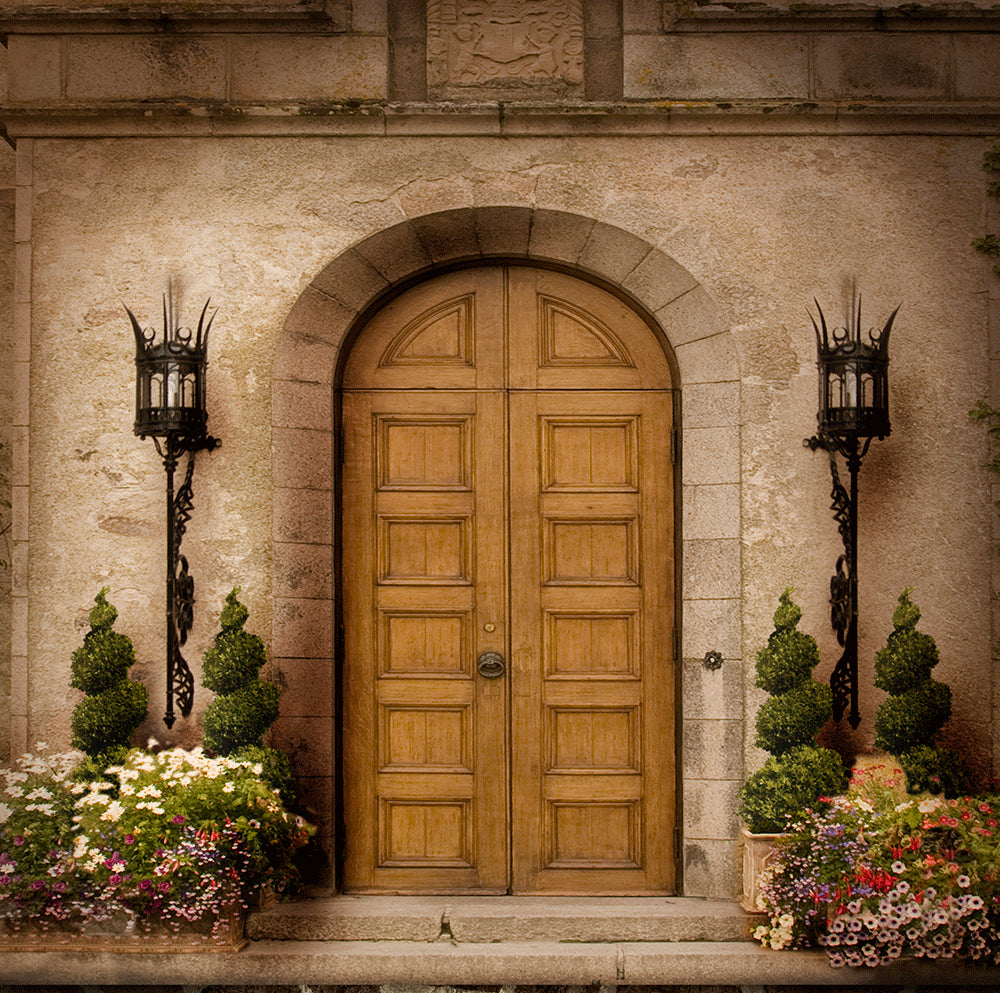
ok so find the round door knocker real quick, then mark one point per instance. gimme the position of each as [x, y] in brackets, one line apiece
[491, 665]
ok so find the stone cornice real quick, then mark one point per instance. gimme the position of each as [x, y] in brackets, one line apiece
[514, 120]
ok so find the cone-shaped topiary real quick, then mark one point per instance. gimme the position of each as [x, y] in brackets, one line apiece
[787, 723]
[106, 718]
[917, 708]
[246, 705]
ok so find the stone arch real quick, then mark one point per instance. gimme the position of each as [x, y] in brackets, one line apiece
[336, 302]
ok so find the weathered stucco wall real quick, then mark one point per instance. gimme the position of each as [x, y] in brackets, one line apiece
[250, 222]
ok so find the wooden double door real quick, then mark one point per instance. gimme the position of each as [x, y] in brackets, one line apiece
[507, 494]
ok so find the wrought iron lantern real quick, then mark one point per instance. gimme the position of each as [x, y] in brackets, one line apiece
[853, 409]
[170, 409]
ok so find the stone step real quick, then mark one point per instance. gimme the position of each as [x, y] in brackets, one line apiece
[501, 918]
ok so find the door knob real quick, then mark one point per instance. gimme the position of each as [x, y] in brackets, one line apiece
[491, 665]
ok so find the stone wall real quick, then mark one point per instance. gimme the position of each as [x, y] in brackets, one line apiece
[718, 167]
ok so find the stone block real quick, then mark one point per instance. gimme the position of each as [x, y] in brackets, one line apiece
[351, 280]
[396, 253]
[710, 456]
[710, 405]
[690, 316]
[708, 360]
[298, 67]
[22, 217]
[658, 280]
[309, 743]
[558, 235]
[408, 71]
[711, 870]
[302, 628]
[303, 570]
[448, 235]
[641, 16]
[34, 68]
[716, 66]
[602, 80]
[298, 360]
[712, 694]
[712, 569]
[369, 16]
[602, 19]
[612, 252]
[302, 459]
[886, 66]
[712, 511]
[321, 318]
[977, 66]
[302, 515]
[22, 271]
[503, 230]
[710, 809]
[22, 331]
[712, 750]
[307, 686]
[295, 404]
[713, 625]
[145, 67]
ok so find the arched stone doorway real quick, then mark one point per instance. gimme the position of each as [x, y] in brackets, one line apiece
[308, 360]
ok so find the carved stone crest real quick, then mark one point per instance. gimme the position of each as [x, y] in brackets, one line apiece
[497, 48]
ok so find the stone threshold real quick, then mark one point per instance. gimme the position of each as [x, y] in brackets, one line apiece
[442, 963]
[502, 919]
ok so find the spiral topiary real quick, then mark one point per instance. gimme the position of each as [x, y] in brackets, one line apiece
[105, 719]
[917, 707]
[246, 705]
[787, 723]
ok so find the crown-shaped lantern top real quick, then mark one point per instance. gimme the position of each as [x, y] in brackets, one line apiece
[170, 377]
[853, 377]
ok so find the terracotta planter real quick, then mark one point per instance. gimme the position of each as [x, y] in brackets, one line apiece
[758, 850]
[124, 934]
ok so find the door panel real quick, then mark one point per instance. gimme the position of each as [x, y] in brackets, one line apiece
[426, 801]
[507, 487]
[591, 660]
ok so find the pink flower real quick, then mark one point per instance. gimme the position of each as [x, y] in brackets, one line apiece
[179, 819]
[130, 839]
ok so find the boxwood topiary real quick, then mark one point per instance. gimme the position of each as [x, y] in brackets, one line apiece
[236, 721]
[787, 723]
[105, 719]
[917, 707]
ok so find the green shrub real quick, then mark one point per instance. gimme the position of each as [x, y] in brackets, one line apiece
[236, 721]
[787, 784]
[917, 707]
[105, 719]
[794, 717]
[787, 723]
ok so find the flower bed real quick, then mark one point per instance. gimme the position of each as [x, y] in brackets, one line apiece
[167, 844]
[876, 875]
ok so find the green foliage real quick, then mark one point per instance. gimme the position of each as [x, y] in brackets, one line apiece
[787, 723]
[907, 659]
[990, 416]
[236, 721]
[275, 769]
[104, 721]
[240, 719]
[930, 769]
[917, 707]
[793, 718]
[913, 717]
[787, 660]
[788, 784]
[990, 244]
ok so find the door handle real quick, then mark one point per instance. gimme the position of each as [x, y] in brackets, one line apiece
[491, 665]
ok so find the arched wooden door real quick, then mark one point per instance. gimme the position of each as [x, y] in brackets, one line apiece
[508, 592]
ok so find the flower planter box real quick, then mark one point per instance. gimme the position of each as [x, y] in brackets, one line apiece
[758, 849]
[125, 934]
